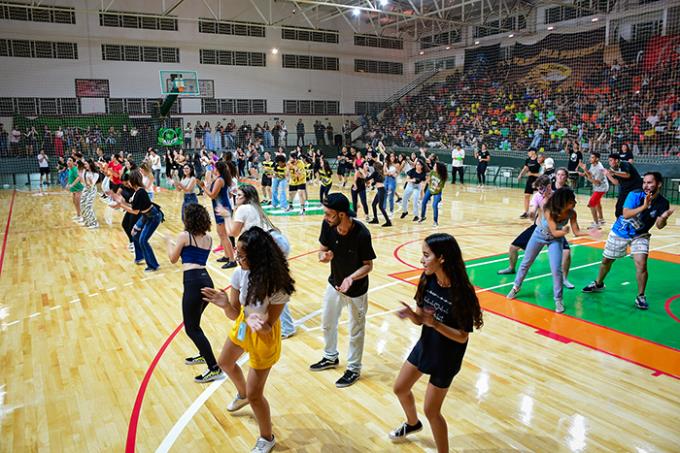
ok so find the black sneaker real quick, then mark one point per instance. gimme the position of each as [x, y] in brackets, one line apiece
[324, 364]
[404, 430]
[224, 259]
[374, 222]
[209, 376]
[347, 379]
[416, 218]
[387, 224]
[229, 264]
[403, 214]
[524, 215]
[198, 360]
[593, 287]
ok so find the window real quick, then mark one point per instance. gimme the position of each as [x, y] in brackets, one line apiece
[437, 63]
[364, 108]
[232, 57]
[132, 20]
[378, 67]
[440, 39]
[42, 13]
[231, 28]
[39, 106]
[304, 107]
[138, 106]
[6, 106]
[495, 27]
[38, 49]
[232, 106]
[310, 62]
[310, 34]
[560, 13]
[114, 52]
[645, 30]
[378, 41]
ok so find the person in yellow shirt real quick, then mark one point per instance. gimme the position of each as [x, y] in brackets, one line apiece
[298, 181]
[267, 175]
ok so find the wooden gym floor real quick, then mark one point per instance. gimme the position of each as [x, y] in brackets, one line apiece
[92, 349]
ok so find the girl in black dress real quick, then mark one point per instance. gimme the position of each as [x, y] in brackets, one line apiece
[447, 308]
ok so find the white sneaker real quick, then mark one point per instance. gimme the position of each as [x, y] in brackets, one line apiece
[237, 404]
[567, 284]
[513, 293]
[559, 306]
[94, 226]
[263, 445]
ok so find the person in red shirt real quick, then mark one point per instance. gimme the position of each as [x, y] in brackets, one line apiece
[115, 171]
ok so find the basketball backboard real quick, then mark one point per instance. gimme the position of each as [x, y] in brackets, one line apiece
[179, 82]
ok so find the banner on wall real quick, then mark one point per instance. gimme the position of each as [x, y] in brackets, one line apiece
[557, 57]
[481, 62]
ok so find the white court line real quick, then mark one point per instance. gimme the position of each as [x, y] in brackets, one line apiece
[93, 294]
[55, 307]
[33, 315]
[11, 323]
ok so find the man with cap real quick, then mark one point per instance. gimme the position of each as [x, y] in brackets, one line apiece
[346, 244]
[624, 175]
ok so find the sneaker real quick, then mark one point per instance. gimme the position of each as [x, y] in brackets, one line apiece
[421, 220]
[94, 226]
[404, 430]
[567, 284]
[602, 222]
[559, 306]
[506, 271]
[263, 445]
[435, 224]
[513, 293]
[140, 262]
[131, 247]
[374, 222]
[347, 379]
[415, 219]
[287, 334]
[387, 224]
[289, 208]
[151, 269]
[237, 403]
[593, 287]
[229, 265]
[403, 214]
[641, 302]
[594, 225]
[209, 376]
[324, 364]
[524, 215]
[223, 259]
[197, 360]
[302, 212]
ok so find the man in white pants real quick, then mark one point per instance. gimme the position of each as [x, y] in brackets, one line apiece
[346, 244]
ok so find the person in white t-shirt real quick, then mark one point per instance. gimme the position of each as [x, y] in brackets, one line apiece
[44, 165]
[155, 161]
[260, 287]
[457, 158]
[600, 187]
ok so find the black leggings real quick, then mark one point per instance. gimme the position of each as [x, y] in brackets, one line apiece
[192, 309]
[379, 200]
[323, 192]
[129, 221]
[362, 196]
[458, 170]
[481, 173]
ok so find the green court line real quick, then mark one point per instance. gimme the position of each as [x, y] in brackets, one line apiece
[613, 308]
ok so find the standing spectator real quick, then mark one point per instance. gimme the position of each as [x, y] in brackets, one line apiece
[483, 157]
[575, 159]
[346, 244]
[625, 176]
[347, 133]
[532, 168]
[329, 133]
[188, 133]
[14, 140]
[155, 161]
[44, 165]
[457, 159]
[4, 138]
[300, 129]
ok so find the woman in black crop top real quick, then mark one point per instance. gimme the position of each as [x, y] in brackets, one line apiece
[378, 179]
[150, 216]
[192, 245]
[448, 309]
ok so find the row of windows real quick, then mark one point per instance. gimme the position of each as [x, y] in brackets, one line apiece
[378, 41]
[130, 20]
[236, 28]
[440, 39]
[310, 34]
[369, 108]
[494, 27]
[115, 52]
[39, 106]
[311, 107]
[138, 106]
[232, 57]
[233, 106]
[38, 49]
[310, 62]
[51, 14]
[561, 13]
[436, 63]
[378, 67]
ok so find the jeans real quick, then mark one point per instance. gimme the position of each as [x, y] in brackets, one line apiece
[333, 302]
[157, 176]
[412, 191]
[146, 225]
[193, 306]
[538, 240]
[390, 188]
[436, 198]
[229, 141]
[279, 192]
[287, 324]
[379, 201]
[189, 198]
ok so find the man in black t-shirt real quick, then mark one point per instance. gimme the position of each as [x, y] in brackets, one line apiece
[624, 175]
[532, 168]
[575, 158]
[346, 244]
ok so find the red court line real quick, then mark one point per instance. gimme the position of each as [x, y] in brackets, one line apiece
[9, 220]
[668, 308]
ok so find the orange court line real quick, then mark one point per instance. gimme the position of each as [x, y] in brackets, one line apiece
[565, 328]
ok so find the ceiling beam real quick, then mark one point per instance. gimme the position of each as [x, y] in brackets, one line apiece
[173, 7]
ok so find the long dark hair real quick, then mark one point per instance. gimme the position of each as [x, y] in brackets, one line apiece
[268, 266]
[558, 201]
[223, 170]
[464, 303]
[440, 168]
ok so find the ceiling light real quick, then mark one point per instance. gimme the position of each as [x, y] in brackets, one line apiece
[448, 48]
[511, 35]
[476, 42]
[275, 51]
[594, 19]
[551, 28]
[421, 53]
[356, 12]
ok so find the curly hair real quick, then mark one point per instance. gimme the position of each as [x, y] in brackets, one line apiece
[269, 272]
[196, 219]
[464, 303]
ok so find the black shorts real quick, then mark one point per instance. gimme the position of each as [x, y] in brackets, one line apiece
[297, 187]
[114, 187]
[522, 240]
[44, 170]
[529, 187]
[341, 170]
[442, 374]
[266, 181]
